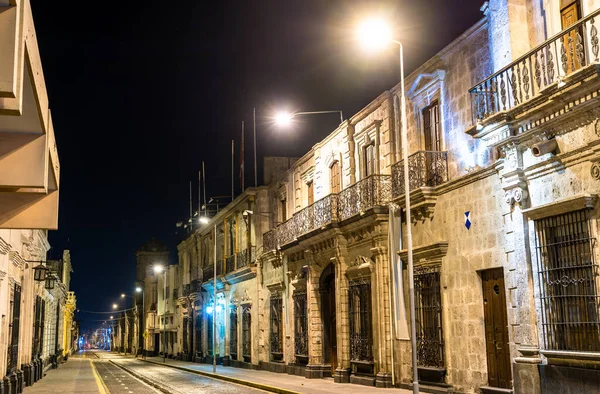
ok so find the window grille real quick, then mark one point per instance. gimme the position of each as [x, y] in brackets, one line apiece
[13, 330]
[361, 338]
[209, 334]
[246, 333]
[568, 278]
[428, 315]
[233, 332]
[276, 326]
[185, 334]
[300, 325]
[199, 332]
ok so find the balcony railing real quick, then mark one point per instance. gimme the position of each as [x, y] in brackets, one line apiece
[242, 257]
[208, 272]
[230, 264]
[425, 168]
[270, 240]
[547, 64]
[371, 192]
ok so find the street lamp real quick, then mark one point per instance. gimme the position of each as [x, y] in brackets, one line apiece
[375, 34]
[158, 269]
[115, 306]
[204, 220]
[284, 118]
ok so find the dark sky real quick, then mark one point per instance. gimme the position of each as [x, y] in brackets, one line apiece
[142, 92]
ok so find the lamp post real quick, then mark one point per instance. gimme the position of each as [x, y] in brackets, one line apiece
[142, 320]
[376, 35]
[284, 118]
[214, 313]
[158, 269]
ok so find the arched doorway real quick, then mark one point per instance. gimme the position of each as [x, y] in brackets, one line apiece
[328, 316]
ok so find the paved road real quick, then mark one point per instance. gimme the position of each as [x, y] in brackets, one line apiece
[124, 375]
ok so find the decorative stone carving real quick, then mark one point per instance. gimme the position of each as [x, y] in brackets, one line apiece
[508, 198]
[246, 297]
[517, 194]
[595, 171]
[5, 247]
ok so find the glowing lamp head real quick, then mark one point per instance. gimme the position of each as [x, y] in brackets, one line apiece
[158, 269]
[374, 34]
[204, 220]
[209, 310]
[283, 118]
[115, 306]
[138, 289]
[123, 295]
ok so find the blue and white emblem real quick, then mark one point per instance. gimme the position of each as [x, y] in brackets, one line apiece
[468, 220]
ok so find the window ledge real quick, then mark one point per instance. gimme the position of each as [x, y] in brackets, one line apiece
[561, 206]
[571, 355]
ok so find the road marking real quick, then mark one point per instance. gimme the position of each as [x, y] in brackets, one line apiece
[101, 386]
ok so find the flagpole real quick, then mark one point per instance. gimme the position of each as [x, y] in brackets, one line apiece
[242, 159]
[204, 188]
[255, 171]
[232, 170]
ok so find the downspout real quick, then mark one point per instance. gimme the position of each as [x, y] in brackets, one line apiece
[391, 284]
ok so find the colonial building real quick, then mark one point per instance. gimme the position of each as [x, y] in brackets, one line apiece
[503, 136]
[31, 308]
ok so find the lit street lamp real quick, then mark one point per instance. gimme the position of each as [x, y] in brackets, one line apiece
[284, 118]
[158, 269]
[115, 306]
[375, 35]
[142, 320]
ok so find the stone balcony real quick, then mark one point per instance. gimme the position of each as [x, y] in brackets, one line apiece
[29, 165]
[332, 210]
[554, 85]
[233, 269]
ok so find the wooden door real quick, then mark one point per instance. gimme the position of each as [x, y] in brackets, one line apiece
[311, 193]
[569, 15]
[496, 329]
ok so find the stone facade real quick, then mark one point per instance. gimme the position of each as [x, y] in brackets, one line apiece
[503, 159]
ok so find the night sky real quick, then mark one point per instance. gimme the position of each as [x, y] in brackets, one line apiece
[142, 93]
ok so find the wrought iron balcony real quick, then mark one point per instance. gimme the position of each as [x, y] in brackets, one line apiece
[313, 217]
[366, 194]
[208, 272]
[242, 257]
[527, 77]
[270, 240]
[230, 264]
[425, 168]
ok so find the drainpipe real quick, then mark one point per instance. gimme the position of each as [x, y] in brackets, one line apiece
[392, 282]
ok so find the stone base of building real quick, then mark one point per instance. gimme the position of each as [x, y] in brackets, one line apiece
[384, 380]
[272, 367]
[242, 364]
[341, 375]
[318, 371]
[565, 379]
[364, 380]
[296, 369]
[209, 360]
[27, 374]
[226, 361]
[526, 378]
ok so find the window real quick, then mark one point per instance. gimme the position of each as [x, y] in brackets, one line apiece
[361, 339]
[369, 153]
[199, 332]
[428, 314]
[233, 332]
[568, 278]
[246, 333]
[185, 334]
[232, 228]
[276, 327]
[283, 209]
[334, 177]
[209, 334]
[431, 127]
[300, 327]
[311, 194]
[13, 329]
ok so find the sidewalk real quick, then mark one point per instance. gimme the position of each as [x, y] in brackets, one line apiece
[75, 376]
[290, 383]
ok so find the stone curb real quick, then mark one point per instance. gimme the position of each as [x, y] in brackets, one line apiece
[142, 378]
[255, 385]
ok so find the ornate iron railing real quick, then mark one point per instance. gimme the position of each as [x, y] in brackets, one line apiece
[428, 313]
[425, 168]
[242, 258]
[368, 193]
[547, 64]
[246, 332]
[220, 267]
[361, 339]
[233, 331]
[230, 264]
[270, 240]
[300, 324]
[276, 324]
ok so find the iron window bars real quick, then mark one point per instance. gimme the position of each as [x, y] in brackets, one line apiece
[300, 327]
[568, 286]
[233, 332]
[246, 333]
[361, 338]
[428, 314]
[276, 336]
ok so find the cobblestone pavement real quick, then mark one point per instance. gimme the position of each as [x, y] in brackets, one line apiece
[180, 382]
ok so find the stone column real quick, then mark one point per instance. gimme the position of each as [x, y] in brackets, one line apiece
[342, 371]
[315, 326]
[381, 321]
